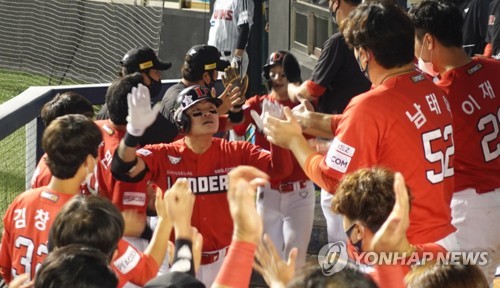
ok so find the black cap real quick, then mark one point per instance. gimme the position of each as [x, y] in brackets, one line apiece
[175, 280]
[205, 57]
[140, 59]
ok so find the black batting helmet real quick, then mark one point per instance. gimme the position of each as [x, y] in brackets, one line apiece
[187, 98]
[275, 58]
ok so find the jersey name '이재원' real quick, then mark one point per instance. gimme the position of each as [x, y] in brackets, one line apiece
[474, 94]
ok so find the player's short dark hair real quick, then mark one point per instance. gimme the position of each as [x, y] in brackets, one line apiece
[116, 97]
[66, 103]
[89, 220]
[366, 195]
[192, 73]
[68, 140]
[443, 275]
[441, 19]
[312, 276]
[384, 29]
[353, 2]
[76, 266]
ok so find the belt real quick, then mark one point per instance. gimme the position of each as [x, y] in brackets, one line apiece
[213, 256]
[290, 186]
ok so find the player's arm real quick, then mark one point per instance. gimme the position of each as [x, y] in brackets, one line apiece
[125, 165]
[288, 134]
[314, 123]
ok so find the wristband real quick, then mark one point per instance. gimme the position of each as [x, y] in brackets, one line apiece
[134, 131]
[183, 258]
[131, 140]
[236, 117]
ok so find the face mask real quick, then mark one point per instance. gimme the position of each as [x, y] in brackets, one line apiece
[334, 13]
[212, 81]
[154, 88]
[87, 183]
[356, 245]
[365, 70]
[426, 67]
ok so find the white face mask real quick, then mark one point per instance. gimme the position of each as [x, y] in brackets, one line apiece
[87, 183]
[426, 67]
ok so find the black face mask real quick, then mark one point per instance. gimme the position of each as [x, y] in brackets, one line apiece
[365, 70]
[154, 87]
[212, 81]
[356, 245]
[334, 14]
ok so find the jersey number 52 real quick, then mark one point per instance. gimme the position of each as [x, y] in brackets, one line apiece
[443, 158]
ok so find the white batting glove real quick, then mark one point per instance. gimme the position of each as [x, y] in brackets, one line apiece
[140, 114]
[236, 63]
[273, 109]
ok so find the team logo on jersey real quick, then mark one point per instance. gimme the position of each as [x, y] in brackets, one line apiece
[128, 260]
[49, 196]
[474, 69]
[339, 156]
[108, 129]
[174, 160]
[134, 198]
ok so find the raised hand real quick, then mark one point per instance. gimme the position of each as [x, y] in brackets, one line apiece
[281, 132]
[276, 272]
[140, 114]
[180, 202]
[243, 183]
[270, 108]
[391, 237]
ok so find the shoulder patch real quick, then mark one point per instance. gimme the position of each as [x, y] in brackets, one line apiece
[128, 260]
[49, 196]
[174, 160]
[339, 156]
[144, 152]
[417, 78]
[474, 69]
[108, 129]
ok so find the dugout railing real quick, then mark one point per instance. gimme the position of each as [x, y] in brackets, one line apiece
[21, 130]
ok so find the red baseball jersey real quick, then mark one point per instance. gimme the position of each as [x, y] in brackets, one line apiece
[124, 195]
[207, 174]
[476, 123]
[403, 124]
[255, 103]
[42, 175]
[130, 265]
[26, 224]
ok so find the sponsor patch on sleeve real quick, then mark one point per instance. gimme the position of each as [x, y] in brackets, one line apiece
[134, 198]
[339, 156]
[128, 260]
[144, 152]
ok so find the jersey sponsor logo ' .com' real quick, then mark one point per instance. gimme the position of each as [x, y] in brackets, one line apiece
[333, 257]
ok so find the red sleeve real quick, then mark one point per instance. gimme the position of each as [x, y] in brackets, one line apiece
[239, 262]
[335, 122]
[277, 163]
[133, 266]
[314, 89]
[488, 50]
[42, 174]
[5, 253]
[390, 275]
[315, 171]
[222, 123]
[251, 104]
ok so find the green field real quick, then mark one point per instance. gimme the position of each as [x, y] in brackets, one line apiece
[12, 148]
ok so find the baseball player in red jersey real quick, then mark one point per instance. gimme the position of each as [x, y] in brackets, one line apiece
[71, 145]
[96, 222]
[289, 225]
[473, 87]
[199, 157]
[62, 104]
[403, 123]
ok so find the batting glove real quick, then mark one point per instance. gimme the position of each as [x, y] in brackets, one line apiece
[236, 63]
[140, 114]
[270, 108]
